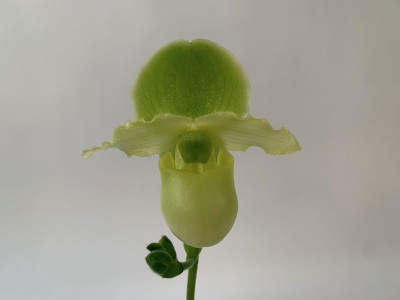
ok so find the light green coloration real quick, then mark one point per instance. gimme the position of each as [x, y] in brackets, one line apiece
[191, 101]
[230, 132]
[199, 207]
[225, 129]
[143, 138]
[191, 79]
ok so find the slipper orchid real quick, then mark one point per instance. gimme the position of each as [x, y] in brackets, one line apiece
[191, 102]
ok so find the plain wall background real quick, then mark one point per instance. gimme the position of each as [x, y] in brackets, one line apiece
[322, 223]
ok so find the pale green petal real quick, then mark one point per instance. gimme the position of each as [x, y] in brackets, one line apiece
[143, 138]
[230, 132]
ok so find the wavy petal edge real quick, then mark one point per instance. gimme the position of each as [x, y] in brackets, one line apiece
[146, 138]
[233, 133]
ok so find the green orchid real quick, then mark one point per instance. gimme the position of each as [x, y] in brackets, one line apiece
[191, 101]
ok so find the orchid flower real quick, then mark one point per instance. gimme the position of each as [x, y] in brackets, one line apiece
[191, 101]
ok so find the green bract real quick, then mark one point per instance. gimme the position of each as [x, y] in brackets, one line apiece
[191, 101]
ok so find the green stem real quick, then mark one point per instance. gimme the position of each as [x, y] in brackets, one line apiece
[191, 283]
[192, 253]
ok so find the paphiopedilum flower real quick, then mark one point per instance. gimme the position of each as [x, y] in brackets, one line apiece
[191, 101]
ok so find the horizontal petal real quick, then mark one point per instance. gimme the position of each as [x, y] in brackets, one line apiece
[143, 138]
[230, 132]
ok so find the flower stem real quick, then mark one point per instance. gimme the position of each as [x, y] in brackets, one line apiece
[191, 283]
[192, 253]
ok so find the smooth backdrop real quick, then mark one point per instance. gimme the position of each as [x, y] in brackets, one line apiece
[322, 223]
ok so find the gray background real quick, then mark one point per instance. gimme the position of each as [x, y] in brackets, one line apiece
[319, 224]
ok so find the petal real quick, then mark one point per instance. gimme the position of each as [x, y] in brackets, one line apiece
[230, 132]
[143, 138]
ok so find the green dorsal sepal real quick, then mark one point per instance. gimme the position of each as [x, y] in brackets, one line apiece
[191, 79]
[195, 147]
